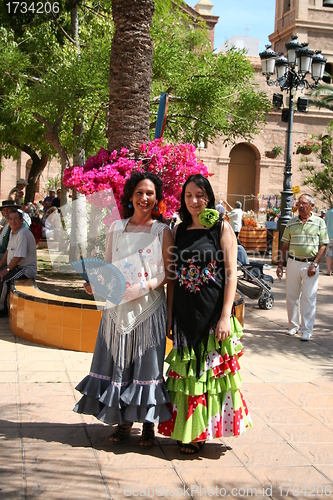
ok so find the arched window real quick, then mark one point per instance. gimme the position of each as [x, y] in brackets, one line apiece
[327, 3]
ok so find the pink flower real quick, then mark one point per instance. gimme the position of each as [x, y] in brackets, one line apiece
[173, 163]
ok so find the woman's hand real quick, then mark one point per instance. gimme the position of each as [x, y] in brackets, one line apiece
[223, 328]
[133, 292]
[88, 288]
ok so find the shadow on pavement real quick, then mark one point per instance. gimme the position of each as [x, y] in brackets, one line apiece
[96, 436]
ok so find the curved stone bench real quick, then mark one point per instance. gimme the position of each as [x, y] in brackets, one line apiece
[52, 320]
[63, 322]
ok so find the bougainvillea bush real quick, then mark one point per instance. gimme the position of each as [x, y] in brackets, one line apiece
[108, 172]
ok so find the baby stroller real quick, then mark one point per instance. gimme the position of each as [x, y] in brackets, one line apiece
[252, 282]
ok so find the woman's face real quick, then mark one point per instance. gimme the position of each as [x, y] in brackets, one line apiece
[144, 197]
[196, 198]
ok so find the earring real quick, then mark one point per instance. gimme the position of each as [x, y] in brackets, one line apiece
[130, 205]
[156, 208]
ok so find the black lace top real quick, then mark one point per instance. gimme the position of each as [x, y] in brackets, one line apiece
[199, 287]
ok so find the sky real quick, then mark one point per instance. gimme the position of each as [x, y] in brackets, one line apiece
[253, 18]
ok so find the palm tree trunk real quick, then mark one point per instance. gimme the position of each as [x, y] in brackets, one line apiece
[130, 74]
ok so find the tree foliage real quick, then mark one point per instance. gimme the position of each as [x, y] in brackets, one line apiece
[46, 85]
[58, 82]
[41, 76]
[322, 96]
[17, 126]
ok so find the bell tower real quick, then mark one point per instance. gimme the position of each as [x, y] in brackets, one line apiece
[310, 20]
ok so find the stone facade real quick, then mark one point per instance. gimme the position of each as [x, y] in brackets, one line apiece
[243, 169]
[13, 170]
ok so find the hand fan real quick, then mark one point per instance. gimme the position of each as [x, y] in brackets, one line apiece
[106, 278]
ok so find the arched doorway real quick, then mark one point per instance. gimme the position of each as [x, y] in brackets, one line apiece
[242, 176]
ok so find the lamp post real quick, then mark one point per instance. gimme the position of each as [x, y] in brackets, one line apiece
[291, 72]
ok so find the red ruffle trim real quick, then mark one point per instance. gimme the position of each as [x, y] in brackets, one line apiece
[226, 365]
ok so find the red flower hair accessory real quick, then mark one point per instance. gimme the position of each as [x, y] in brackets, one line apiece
[160, 209]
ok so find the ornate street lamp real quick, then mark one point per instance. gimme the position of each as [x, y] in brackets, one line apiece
[291, 73]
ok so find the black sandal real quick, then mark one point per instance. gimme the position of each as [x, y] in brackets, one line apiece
[147, 439]
[191, 448]
[121, 433]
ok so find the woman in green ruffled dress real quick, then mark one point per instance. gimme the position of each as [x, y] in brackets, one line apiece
[203, 377]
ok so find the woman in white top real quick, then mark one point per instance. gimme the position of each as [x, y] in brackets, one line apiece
[125, 383]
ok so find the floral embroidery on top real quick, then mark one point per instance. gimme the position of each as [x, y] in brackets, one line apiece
[144, 261]
[193, 277]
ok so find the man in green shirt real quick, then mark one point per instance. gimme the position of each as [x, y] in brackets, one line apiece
[305, 238]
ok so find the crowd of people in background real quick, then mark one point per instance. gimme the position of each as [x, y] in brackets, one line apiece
[22, 226]
[38, 216]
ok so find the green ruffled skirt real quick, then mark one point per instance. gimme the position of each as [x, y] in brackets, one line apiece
[206, 401]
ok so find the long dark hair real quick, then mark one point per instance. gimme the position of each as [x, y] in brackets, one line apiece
[130, 186]
[203, 184]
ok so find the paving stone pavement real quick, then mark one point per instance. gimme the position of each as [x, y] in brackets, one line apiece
[49, 452]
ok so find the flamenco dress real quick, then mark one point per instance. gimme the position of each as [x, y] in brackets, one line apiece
[125, 383]
[203, 377]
